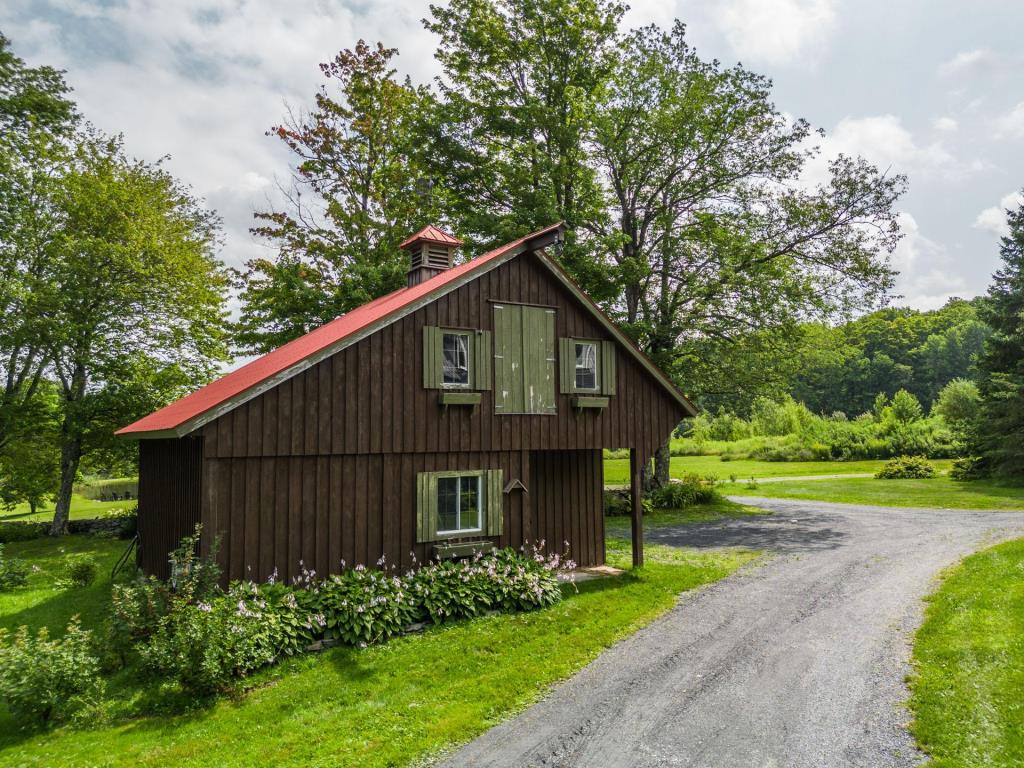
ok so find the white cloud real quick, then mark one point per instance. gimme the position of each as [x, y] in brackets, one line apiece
[775, 31]
[202, 80]
[884, 141]
[946, 125]
[1011, 125]
[925, 279]
[966, 61]
[994, 219]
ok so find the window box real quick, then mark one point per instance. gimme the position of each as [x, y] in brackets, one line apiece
[584, 401]
[460, 398]
[463, 549]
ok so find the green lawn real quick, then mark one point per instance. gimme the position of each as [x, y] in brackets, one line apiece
[941, 492]
[620, 525]
[81, 509]
[616, 471]
[386, 705]
[968, 682]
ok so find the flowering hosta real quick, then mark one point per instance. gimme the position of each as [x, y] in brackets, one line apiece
[361, 606]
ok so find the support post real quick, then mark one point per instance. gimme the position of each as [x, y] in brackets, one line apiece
[635, 490]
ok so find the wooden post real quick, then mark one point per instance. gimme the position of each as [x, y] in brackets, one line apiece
[635, 491]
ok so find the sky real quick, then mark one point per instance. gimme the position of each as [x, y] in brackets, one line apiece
[929, 88]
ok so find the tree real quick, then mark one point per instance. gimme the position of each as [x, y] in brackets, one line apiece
[1001, 426]
[131, 297]
[30, 461]
[359, 157]
[959, 404]
[715, 236]
[905, 408]
[522, 83]
[32, 97]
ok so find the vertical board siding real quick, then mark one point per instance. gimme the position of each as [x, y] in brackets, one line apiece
[170, 498]
[322, 467]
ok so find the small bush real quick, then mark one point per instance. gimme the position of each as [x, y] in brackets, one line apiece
[616, 503]
[688, 491]
[969, 468]
[135, 613]
[43, 680]
[21, 531]
[361, 606]
[79, 570]
[906, 468]
[13, 572]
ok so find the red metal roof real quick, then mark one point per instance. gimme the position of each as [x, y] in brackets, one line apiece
[431, 234]
[252, 374]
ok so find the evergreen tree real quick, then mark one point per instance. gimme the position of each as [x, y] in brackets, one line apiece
[1001, 428]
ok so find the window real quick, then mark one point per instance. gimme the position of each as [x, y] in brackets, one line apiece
[458, 504]
[587, 368]
[455, 359]
[586, 365]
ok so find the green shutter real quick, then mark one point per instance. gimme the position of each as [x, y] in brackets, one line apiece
[567, 366]
[608, 374]
[482, 360]
[508, 350]
[431, 357]
[538, 360]
[495, 503]
[426, 507]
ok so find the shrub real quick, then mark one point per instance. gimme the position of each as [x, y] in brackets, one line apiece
[969, 468]
[79, 570]
[689, 490]
[13, 572]
[135, 613]
[523, 582]
[361, 606]
[454, 590]
[194, 578]
[21, 531]
[616, 503]
[906, 468]
[42, 679]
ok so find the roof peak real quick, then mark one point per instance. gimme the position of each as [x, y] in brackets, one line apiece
[431, 234]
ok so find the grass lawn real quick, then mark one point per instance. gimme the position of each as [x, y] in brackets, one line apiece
[81, 509]
[940, 492]
[387, 705]
[616, 471]
[620, 525]
[968, 684]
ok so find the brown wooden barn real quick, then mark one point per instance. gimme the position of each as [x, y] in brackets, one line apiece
[467, 409]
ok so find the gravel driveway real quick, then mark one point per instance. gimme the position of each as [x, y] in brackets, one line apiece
[796, 662]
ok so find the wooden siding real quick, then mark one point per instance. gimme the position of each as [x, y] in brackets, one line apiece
[369, 398]
[170, 498]
[289, 512]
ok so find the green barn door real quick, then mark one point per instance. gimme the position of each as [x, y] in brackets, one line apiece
[524, 359]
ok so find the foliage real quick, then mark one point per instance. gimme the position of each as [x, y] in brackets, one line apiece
[205, 645]
[906, 468]
[44, 680]
[79, 570]
[967, 662]
[1001, 422]
[959, 405]
[361, 184]
[688, 491]
[969, 468]
[361, 606]
[13, 571]
[21, 531]
[617, 503]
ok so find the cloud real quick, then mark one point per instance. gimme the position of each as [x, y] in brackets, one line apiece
[884, 141]
[202, 80]
[925, 279]
[945, 125]
[994, 219]
[1011, 125]
[966, 61]
[775, 31]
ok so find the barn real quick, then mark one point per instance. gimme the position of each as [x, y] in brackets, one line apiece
[465, 410]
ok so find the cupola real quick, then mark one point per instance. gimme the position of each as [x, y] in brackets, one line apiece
[431, 251]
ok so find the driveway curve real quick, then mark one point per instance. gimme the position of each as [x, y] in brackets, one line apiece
[797, 662]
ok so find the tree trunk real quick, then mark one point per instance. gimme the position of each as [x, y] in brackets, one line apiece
[661, 464]
[70, 456]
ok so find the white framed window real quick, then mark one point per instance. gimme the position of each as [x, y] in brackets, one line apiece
[586, 366]
[459, 505]
[455, 359]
